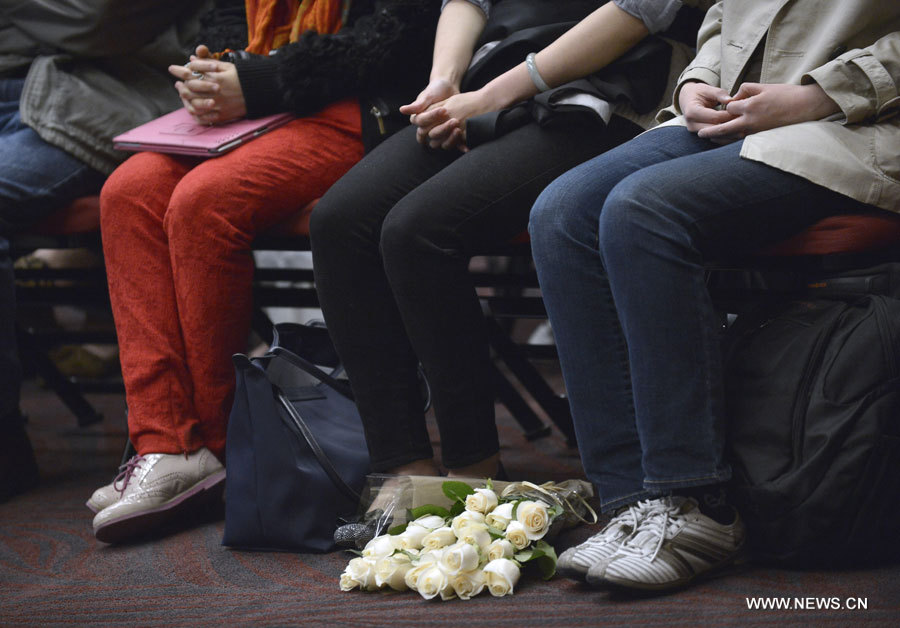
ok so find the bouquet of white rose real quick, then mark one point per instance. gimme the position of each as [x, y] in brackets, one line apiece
[481, 542]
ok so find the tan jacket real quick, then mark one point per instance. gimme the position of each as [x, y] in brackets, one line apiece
[851, 48]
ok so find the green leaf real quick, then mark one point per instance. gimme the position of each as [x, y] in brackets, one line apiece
[457, 508]
[457, 491]
[496, 533]
[524, 556]
[428, 509]
[546, 563]
[400, 529]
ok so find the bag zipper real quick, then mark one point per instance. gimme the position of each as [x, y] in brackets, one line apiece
[885, 334]
[801, 400]
[380, 110]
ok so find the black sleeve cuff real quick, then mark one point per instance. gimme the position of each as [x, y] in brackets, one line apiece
[258, 76]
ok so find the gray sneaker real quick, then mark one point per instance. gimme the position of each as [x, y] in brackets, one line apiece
[672, 546]
[576, 561]
[158, 489]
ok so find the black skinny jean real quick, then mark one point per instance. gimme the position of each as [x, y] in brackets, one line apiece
[391, 244]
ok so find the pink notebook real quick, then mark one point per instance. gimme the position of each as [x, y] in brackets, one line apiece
[177, 132]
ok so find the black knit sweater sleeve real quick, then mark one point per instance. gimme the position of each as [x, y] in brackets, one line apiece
[389, 44]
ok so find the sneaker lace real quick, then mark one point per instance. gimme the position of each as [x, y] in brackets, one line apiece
[662, 520]
[628, 517]
[126, 472]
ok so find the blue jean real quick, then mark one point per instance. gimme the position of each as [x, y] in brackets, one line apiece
[619, 243]
[36, 178]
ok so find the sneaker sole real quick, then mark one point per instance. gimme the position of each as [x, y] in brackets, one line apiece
[198, 498]
[572, 573]
[663, 587]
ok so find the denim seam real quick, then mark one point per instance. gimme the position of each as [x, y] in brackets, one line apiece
[715, 475]
[624, 499]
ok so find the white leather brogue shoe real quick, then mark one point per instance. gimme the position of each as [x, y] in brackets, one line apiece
[158, 489]
[103, 497]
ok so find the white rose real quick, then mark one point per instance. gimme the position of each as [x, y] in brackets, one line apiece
[465, 518]
[431, 581]
[476, 534]
[483, 500]
[500, 516]
[501, 548]
[422, 562]
[501, 576]
[535, 518]
[429, 522]
[459, 557]
[448, 593]
[381, 546]
[436, 539]
[360, 572]
[391, 571]
[411, 538]
[515, 534]
[468, 584]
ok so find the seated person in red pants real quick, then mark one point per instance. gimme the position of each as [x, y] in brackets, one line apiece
[177, 231]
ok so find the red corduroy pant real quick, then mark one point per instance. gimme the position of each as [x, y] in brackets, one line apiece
[177, 235]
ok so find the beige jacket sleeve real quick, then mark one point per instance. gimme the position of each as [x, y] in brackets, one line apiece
[706, 64]
[863, 82]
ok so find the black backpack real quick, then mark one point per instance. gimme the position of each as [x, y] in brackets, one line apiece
[813, 397]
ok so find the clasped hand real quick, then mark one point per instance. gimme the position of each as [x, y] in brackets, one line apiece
[712, 113]
[214, 97]
[440, 113]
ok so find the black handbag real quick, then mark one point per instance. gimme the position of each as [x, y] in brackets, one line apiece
[296, 452]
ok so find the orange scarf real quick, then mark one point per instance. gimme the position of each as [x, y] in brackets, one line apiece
[273, 23]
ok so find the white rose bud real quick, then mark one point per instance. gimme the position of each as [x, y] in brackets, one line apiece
[501, 576]
[483, 500]
[501, 548]
[459, 557]
[436, 539]
[431, 581]
[360, 572]
[448, 593]
[429, 522]
[468, 584]
[476, 534]
[411, 538]
[381, 546]
[515, 534]
[391, 571]
[535, 518]
[500, 516]
[465, 518]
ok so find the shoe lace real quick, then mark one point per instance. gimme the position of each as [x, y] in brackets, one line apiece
[126, 472]
[662, 520]
[628, 519]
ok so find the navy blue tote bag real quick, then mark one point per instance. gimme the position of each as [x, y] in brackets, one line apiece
[296, 453]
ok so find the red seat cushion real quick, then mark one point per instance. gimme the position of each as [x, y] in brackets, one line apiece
[82, 216]
[850, 233]
[296, 225]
